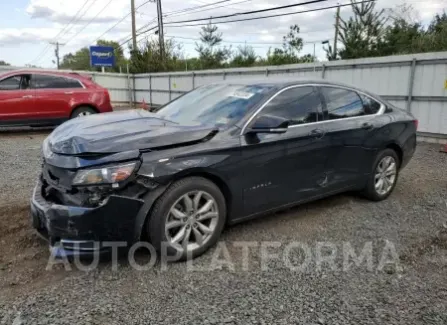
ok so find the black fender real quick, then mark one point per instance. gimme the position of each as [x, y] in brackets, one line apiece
[149, 200]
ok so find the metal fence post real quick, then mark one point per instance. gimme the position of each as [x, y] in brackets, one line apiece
[193, 80]
[128, 86]
[267, 72]
[323, 71]
[169, 79]
[224, 75]
[134, 90]
[411, 84]
[150, 90]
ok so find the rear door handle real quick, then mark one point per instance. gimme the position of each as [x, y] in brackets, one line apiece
[27, 96]
[68, 93]
[317, 133]
[367, 126]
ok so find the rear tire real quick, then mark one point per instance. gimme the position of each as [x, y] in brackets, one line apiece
[383, 177]
[83, 111]
[188, 218]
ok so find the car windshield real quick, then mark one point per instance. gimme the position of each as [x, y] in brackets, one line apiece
[218, 104]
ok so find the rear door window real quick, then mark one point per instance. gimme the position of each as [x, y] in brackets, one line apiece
[72, 83]
[342, 103]
[41, 81]
[370, 106]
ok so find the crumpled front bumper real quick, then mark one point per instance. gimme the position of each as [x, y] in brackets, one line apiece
[82, 231]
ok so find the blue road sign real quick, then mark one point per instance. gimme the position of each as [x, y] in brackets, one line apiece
[102, 56]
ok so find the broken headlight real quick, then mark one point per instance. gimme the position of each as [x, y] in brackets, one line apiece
[106, 175]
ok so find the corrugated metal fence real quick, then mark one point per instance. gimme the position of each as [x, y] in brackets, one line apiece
[417, 83]
[414, 82]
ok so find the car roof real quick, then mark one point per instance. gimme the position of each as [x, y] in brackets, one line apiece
[70, 74]
[281, 82]
[284, 82]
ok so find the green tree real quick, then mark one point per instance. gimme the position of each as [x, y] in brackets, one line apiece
[147, 58]
[401, 37]
[361, 35]
[291, 48]
[435, 38]
[437, 24]
[80, 60]
[4, 63]
[406, 35]
[211, 54]
[244, 57]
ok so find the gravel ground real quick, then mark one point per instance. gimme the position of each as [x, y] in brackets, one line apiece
[411, 290]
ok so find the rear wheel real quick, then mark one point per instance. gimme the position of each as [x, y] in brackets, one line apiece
[188, 218]
[384, 176]
[83, 111]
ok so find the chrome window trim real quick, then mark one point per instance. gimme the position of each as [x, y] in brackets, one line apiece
[45, 74]
[380, 112]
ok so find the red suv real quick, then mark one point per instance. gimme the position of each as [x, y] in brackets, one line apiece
[32, 97]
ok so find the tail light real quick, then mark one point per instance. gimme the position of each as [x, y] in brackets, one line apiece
[416, 123]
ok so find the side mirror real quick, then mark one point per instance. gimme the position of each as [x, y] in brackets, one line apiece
[269, 124]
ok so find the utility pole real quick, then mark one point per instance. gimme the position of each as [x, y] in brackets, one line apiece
[337, 23]
[134, 28]
[160, 29]
[56, 52]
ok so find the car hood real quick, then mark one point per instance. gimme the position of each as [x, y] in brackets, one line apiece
[122, 131]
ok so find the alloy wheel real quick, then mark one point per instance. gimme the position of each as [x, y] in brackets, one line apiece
[385, 175]
[85, 113]
[191, 221]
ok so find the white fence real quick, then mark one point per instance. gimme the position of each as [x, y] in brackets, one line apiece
[417, 83]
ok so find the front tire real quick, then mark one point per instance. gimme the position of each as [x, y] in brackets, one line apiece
[189, 218]
[82, 111]
[384, 175]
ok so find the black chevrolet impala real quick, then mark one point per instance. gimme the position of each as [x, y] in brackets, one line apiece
[220, 154]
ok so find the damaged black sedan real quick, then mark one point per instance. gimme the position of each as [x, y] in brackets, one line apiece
[220, 154]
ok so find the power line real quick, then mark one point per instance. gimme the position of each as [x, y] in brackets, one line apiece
[82, 15]
[226, 5]
[243, 13]
[86, 10]
[60, 32]
[119, 21]
[243, 42]
[187, 11]
[250, 12]
[270, 16]
[168, 14]
[232, 4]
[175, 12]
[90, 21]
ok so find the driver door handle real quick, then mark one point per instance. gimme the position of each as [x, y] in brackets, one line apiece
[68, 93]
[28, 96]
[317, 133]
[367, 126]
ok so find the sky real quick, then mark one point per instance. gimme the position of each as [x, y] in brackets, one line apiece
[28, 26]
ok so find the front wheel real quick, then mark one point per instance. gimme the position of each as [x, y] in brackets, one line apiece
[83, 111]
[384, 176]
[188, 218]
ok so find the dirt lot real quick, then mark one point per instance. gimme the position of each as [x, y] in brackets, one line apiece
[411, 291]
